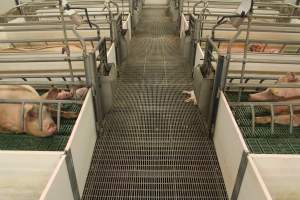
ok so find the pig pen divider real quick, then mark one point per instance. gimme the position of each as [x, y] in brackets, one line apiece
[206, 18]
[226, 131]
[46, 69]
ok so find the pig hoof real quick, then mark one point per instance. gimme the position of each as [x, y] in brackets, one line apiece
[263, 120]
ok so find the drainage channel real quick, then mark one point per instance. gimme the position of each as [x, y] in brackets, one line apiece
[154, 145]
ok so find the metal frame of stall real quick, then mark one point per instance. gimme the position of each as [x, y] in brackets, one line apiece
[90, 74]
[198, 21]
[224, 82]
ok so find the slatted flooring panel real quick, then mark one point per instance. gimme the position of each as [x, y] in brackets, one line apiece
[154, 146]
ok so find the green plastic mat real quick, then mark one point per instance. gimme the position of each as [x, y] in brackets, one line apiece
[57, 142]
[262, 140]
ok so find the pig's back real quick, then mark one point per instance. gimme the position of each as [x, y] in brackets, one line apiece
[18, 92]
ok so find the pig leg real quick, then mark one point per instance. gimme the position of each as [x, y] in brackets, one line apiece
[80, 93]
[279, 119]
[63, 114]
[265, 95]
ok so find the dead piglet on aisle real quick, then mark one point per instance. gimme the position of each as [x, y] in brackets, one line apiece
[191, 97]
[10, 113]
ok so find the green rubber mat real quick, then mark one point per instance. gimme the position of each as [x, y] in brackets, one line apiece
[274, 145]
[262, 140]
[57, 142]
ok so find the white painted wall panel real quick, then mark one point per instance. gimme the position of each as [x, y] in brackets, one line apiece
[24, 175]
[281, 174]
[59, 186]
[82, 141]
[229, 144]
[253, 186]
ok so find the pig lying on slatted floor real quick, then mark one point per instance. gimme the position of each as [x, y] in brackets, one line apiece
[288, 95]
[10, 113]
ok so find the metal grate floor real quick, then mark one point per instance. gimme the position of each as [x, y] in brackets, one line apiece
[154, 145]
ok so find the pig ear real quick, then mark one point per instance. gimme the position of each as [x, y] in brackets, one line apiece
[51, 94]
[291, 77]
[32, 112]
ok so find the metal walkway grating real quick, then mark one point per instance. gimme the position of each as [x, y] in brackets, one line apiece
[154, 145]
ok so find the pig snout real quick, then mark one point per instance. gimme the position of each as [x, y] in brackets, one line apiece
[51, 129]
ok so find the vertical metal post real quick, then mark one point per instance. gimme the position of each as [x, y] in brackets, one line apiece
[116, 34]
[66, 42]
[207, 58]
[245, 56]
[180, 11]
[94, 82]
[131, 11]
[195, 34]
[215, 96]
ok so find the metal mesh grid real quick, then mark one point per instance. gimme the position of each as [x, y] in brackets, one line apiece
[154, 145]
[263, 140]
[56, 142]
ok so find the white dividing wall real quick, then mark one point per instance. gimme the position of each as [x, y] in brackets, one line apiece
[253, 186]
[184, 26]
[82, 141]
[229, 144]
[199, 58]
[24, 175]
[59, 186]
[281, 175]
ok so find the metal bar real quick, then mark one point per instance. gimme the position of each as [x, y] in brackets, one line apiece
[227, 60]
[247, 104]
[50, 40]
[272, 118]
[225, 40]
[263, 85]
[66, 42]
[38, 59]
[38, 101]
[41, 116]
[45, 28]
[46, 23]
[22, 117]
[38, 76]
[240, 176]
[252, 77]
[244, 56]
[58, 116]
[215, 95]
[72, 174]
[273, 61]
[291, 118]
[253, 119]
[44, 83]
[93, 79]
